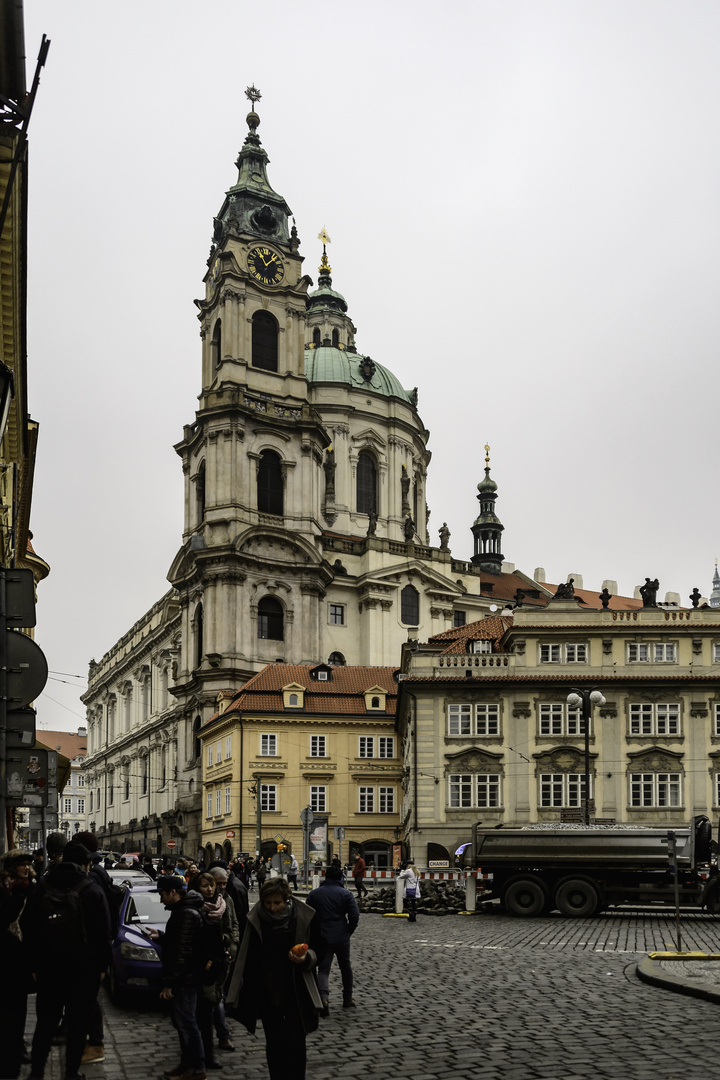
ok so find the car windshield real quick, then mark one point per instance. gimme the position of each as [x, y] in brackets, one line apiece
[146, 907]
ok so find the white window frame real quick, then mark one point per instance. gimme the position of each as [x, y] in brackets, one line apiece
[268, 798]
[716, 710]
[576, 653]
[468, 790]
[386, 800]
[268, 745]
[460, 719]
[665, 652]
[487, 719]
[318, 798]
[81, 806]
[218, 802]
[210, 754]
[228, 800]
[480, 646]
[336, 614]
[366, 800]
[209, 804]
[638, 652]
[563, 791]
[560, 719]
[654, 718]
[80, 780]
[386, 746]
[218, 755]
[67, 806]
[318, 746]
[550, 653]
[656, 791]
[716, 652]
[717, 789]
[365, 743]
[228, 747]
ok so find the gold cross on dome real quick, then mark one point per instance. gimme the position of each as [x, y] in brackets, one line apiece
[322, 235]
[253, 95]
[487, 456]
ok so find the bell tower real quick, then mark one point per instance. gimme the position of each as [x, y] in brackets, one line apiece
[487, 529]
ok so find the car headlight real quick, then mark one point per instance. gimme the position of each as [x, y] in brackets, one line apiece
[138, 952]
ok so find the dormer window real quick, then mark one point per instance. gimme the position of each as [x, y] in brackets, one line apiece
[293, 696]
[375, 699]
[322, 676]
[322, 673]
[480, 646]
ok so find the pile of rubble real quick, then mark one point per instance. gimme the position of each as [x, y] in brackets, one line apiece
[436, 898]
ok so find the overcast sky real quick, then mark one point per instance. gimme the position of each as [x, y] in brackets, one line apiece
[523, 204]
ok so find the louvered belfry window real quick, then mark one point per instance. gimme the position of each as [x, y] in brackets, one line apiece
[366, 484]
[270, 484]
[264, 341]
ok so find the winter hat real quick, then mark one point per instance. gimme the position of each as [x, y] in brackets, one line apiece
[55, 844]
[76, 853]
[334, 873]
[171, 883]
[89, 839]
[15, 857]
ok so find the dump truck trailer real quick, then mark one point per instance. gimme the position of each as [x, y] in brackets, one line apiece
[579, 871]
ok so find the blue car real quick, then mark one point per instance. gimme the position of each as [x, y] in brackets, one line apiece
[136, 965]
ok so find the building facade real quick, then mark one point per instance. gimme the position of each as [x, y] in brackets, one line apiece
[305, 523]
[298, 737]
[489, 735]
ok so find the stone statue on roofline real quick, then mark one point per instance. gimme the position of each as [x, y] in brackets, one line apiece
[566, 591]
[649, 592]
[444, 534]
[409, 529]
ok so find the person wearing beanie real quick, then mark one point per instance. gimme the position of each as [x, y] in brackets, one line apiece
[339, 916]
[66, 925]
[54, 846]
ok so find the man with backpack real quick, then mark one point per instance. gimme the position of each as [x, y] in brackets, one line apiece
[66, 925]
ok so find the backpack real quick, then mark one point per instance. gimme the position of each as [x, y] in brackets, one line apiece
[61, 923]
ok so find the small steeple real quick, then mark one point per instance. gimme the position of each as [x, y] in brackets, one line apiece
[327, 319]
[251, 206]
[487, 528]
[715, 594]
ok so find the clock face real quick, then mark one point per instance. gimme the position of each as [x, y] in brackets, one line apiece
[266, 266]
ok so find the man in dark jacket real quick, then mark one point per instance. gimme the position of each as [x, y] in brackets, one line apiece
[181, 963]
[338, 913]
[66, 925]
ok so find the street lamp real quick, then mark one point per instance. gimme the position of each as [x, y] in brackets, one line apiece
[586, 698]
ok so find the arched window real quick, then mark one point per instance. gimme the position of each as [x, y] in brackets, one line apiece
[336, 338]
[198, 635]
[264, 341]
[197, 744]
[366, 484]
[216, 344]
[200, 494]
[375, 703]
[293, 699]
[270, 619]
[410, 605]
[336, 659]
[270, 484]
[317, 339]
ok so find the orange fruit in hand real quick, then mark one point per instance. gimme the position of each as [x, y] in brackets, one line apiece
[299, 950]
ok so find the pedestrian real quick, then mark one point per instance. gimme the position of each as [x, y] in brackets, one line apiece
[293, 873]
[358, 873]
[231, 941]
[94, 1051]
[261, 871]
[272, 983]
[55, 845]
[338, 913]
[191, 872]
[410, 875]
[17, 881]
[182, 972]
[66, 924]
[215, 960]
[148, 867]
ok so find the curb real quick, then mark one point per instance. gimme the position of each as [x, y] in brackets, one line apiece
[650, 971]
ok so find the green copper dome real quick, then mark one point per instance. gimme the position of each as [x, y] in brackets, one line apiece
[327, 364]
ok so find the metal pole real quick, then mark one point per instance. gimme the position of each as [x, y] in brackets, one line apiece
[258, 821]
[586, 717]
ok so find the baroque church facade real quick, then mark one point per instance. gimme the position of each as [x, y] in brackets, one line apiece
[305, 529]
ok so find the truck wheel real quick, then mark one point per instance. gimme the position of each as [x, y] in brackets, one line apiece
[526, 896]
[577, 897]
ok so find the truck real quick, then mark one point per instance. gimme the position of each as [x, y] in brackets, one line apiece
[581, 870]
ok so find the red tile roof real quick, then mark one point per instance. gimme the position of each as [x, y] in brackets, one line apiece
[69, 743]
[342, 694]
[592, 599]
[491, 628]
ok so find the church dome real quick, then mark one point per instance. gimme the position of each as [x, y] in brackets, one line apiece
[328, 364]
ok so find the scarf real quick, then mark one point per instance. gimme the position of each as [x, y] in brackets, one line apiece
[214, 909]
[277, 924]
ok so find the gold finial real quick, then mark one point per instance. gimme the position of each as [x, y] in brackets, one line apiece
[324, 267]
[253, 95]
[487, 456]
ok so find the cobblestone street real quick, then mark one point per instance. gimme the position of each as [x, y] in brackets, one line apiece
[458, 997]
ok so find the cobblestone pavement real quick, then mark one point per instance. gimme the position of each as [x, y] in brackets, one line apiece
[462, 997]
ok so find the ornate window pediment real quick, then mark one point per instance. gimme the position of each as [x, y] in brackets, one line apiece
[655, 760]
[563, 759]
[473, 761]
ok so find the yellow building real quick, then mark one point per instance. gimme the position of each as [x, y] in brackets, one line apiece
[296, 737]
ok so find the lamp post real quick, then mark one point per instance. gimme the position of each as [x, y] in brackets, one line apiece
[586, 699]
